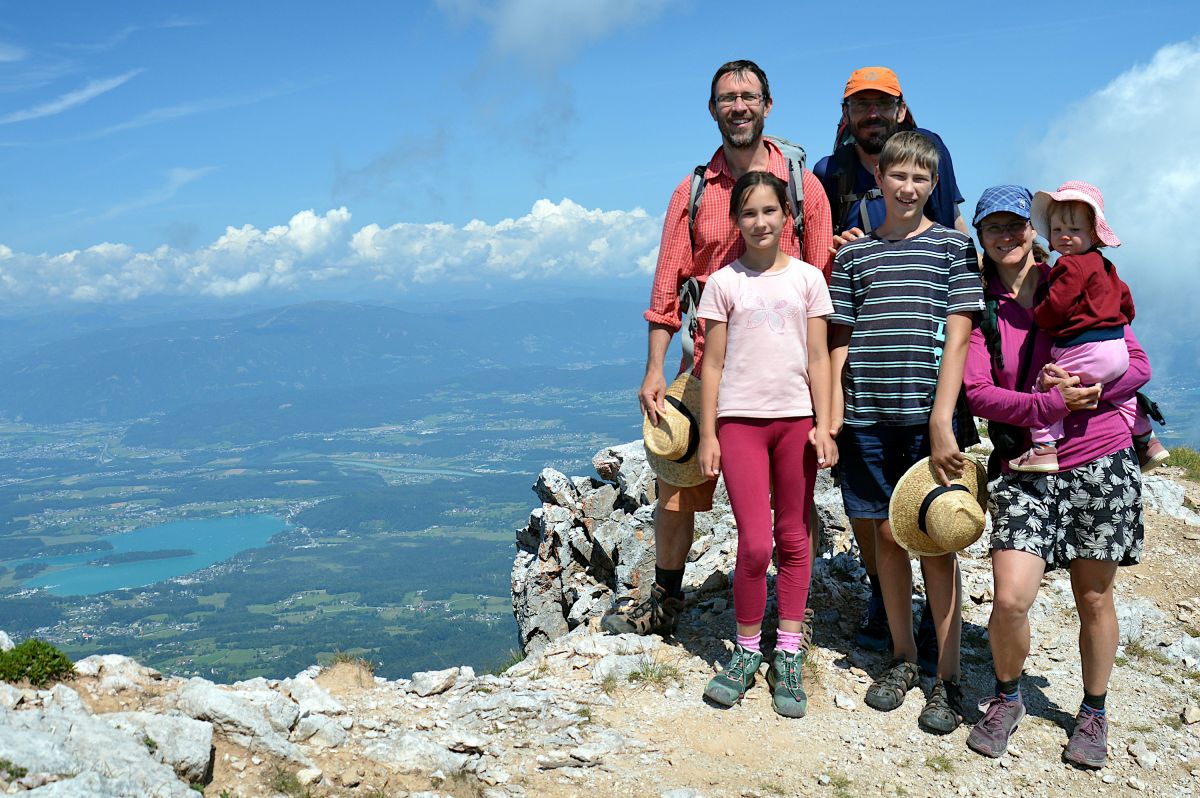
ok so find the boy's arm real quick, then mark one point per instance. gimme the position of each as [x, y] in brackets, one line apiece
[711, 369]
[839, 348]
[947, 460]
[820, 387]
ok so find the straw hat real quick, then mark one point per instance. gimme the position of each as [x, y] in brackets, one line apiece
[930, 520]
[672, 443]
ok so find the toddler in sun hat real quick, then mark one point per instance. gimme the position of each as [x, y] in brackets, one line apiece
[1085, 310]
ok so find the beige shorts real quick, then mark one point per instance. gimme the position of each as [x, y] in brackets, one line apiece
[696, 499]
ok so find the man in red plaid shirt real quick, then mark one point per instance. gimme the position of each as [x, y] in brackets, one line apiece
[739, 102]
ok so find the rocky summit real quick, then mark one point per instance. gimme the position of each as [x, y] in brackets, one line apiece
[590, 714]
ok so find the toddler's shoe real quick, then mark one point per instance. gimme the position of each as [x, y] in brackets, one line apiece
[1150, 453]
[728, 686]
[1039, 460]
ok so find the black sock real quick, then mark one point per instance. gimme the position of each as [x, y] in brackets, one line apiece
[1008, 689]
[670, 580]
[1095, 702]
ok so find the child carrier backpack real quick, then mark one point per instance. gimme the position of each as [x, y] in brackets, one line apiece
[795, 189]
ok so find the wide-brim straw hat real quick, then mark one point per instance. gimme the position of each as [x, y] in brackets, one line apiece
[930, 520]
[1073, 191]
[672, 443]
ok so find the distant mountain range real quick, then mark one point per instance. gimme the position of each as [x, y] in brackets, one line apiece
[326, 351]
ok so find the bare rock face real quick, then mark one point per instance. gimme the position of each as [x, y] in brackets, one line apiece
[592, 541]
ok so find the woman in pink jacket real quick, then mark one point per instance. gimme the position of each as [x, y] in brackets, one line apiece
[1086, 517]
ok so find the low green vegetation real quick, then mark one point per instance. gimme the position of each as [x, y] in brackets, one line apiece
[940, 763]
[36, 662]
[285, 781]
[1137, 649]
[1188, 459]
[655, 674]
[11, 772]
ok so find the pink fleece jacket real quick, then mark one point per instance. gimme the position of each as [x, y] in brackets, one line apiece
[1088, 434]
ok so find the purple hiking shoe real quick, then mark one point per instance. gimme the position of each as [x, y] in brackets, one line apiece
[1088, 746]
[1000, 718]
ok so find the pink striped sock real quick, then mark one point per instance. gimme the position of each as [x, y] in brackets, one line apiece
[751, 643]
[789, 641]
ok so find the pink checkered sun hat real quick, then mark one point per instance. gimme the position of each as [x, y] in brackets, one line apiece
[1068, 191]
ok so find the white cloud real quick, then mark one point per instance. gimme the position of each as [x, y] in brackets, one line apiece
[65, 102]
[549, 32]
[10, 53]
[1133, 139]
[553, 241]
[176, 179]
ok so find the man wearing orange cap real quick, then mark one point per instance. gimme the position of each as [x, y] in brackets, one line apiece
[873, 109]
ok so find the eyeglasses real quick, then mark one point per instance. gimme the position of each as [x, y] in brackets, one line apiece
[1011, 229]
[750, 98]
[883, 106]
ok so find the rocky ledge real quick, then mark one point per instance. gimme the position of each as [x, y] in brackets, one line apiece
[590, 714]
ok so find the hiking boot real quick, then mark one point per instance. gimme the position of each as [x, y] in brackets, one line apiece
[728, 686]
[657, 614]
[873, 633]
[1150, 452]
[1039, 459]
[1000, 718]
[927, 647]
[888, 691]
[943, 710]
[786, 680]
[1088, 746]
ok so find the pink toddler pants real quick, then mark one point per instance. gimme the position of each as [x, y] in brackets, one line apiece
[1095, 362]
[756, 453]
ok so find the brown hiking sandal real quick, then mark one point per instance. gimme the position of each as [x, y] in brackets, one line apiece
[806, 631]
[657, 614]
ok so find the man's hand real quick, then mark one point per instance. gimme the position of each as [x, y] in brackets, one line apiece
[845, 237]
[651, 394]
[948, 462]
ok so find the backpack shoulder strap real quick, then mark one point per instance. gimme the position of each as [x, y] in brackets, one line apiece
[990, 325]
[845, 160]
[796, 159]
[694, 195]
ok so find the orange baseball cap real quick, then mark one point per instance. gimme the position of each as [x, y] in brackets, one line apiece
[875, 78]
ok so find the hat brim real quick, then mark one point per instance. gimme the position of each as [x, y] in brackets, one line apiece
[1041, 214]
[667, 440]
[905, 506]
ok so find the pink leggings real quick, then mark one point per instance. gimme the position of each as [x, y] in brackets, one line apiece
[756, 453]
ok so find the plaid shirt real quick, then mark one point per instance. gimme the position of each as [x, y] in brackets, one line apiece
[718, 241]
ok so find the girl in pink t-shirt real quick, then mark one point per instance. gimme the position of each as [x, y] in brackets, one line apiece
[766, 395]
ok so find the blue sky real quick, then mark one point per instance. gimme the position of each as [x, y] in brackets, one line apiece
[283, 151]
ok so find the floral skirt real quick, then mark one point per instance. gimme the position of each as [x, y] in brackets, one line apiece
[1093, 512]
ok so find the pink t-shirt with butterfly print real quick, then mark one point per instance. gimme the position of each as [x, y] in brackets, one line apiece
[766, 350]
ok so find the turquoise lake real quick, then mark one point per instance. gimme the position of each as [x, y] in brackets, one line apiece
[212, 540]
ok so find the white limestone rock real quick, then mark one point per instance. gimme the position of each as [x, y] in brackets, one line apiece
[182, 743]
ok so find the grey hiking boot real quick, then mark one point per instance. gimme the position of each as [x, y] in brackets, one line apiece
[1088, 746]
[943, 711]
[888, 691]
[1000, 718]
[785, 677]
[657, 614]
[728, 686]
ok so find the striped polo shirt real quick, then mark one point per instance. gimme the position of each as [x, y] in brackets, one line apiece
[897, 295]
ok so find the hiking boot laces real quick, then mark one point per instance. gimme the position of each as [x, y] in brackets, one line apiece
[993, 721]
[737, 665]
[790, 674]
[1091, 727]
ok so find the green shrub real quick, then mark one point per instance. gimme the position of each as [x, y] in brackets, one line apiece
[1186, 458]
[36, 661]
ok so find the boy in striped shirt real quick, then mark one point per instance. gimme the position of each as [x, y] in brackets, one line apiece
[903, 298]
